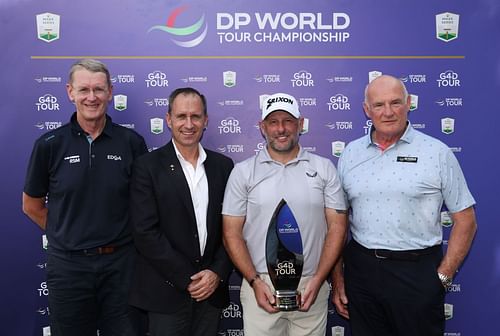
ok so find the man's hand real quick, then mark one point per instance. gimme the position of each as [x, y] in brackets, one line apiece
[203, 285]
[310, 293]
[339, 297]
[264, 296]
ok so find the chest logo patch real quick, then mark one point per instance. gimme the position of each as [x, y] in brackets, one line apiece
[407, 159]
[114, 157]
[72, 159]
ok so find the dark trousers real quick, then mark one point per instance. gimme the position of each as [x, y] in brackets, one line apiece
[194, 319]
[393, 297]
[90, 292]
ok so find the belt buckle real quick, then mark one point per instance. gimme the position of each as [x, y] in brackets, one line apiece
[379, 256]
[89, 252]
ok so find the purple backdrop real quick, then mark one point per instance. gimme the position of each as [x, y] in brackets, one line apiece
[320, 51]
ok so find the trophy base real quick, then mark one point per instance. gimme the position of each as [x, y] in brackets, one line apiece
[287, 300]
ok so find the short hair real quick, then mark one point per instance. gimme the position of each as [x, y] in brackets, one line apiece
[186, 91]
[92, 66]
[405, 91]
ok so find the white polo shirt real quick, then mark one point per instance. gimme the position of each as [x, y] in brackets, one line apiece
[309, 184]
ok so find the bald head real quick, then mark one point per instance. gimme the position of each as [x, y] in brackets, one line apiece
[385, 81]
[387, 104]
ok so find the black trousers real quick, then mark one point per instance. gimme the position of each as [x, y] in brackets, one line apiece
[90, 292]
[393, 297]
[193, 319]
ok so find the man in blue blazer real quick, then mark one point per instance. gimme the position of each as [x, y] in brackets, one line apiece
[176, 198]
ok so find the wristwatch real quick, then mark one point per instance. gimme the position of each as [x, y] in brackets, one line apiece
[445, 280]
[251, 281]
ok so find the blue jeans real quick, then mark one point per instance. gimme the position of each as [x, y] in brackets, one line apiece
[90, 292]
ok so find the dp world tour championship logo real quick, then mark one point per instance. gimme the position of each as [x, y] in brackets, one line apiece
[186, 36]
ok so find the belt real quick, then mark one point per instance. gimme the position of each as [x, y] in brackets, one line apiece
[406, 255]
[101, 250]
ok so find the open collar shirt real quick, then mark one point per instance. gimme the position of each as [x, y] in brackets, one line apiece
[196, 179]
[396, 195]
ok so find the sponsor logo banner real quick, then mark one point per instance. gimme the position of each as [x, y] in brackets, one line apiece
[48, 26]
[447, 26]
[186, 36]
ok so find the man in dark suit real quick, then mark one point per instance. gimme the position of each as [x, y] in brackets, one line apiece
[176, 199]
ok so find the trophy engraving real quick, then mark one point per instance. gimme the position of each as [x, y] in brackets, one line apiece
[284, 257]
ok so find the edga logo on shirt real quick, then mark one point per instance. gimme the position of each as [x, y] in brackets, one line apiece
[188, 32]
[114, 157]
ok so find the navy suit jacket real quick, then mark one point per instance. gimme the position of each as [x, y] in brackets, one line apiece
[165, 231]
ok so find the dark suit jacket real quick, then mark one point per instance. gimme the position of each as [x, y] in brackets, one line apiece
[165, 231]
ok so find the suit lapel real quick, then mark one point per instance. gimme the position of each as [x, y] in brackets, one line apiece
[173, 169]
[210, 171]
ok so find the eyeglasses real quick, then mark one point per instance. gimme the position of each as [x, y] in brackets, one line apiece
[97, 91]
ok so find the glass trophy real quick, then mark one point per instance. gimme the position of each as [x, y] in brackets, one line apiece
[284, 257]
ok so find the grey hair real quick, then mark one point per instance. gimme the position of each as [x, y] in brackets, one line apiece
[92, 66]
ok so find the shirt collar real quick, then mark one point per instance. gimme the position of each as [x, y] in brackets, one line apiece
[263, 156]
[108, 127]
[202, 155]
[407, 136]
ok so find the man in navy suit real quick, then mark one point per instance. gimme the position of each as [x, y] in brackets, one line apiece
[176, 199]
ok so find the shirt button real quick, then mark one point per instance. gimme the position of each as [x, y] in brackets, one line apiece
[197, 261]
[196, 236]
[93, 155]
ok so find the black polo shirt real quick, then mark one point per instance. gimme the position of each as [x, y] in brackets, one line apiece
[87, 184]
